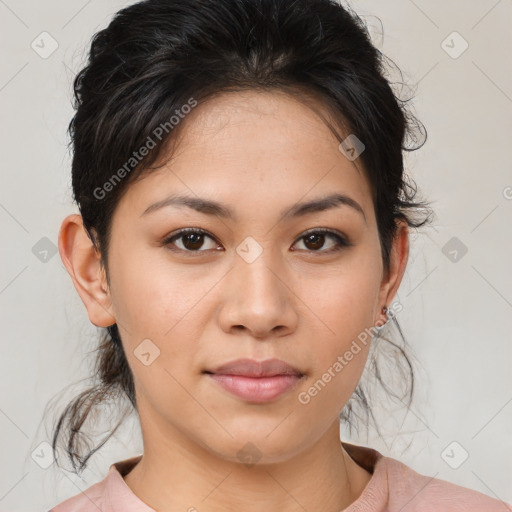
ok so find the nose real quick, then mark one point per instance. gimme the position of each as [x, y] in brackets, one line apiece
[256, 298]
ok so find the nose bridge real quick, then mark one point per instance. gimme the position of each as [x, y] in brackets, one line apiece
[256, 298]
[256, 267]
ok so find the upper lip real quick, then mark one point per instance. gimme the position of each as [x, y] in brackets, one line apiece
[253, 368]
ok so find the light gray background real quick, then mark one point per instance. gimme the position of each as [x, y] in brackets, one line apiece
[457, 315]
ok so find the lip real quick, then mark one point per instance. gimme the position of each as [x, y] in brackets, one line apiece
[256, 381]
[253, 368]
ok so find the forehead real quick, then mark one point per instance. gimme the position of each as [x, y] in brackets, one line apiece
[240, 121]
[254, 145]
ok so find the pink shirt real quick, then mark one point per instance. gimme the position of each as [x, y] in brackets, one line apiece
[393, 487]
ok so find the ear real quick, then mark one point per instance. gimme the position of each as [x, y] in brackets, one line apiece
[83, 264]
[397, 263]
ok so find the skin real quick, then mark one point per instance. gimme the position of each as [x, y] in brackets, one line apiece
[257, 153]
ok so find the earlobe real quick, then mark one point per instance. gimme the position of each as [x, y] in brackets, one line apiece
[397, 263]
[83, 264]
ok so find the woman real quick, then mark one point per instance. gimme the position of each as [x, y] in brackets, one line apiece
[243, 231]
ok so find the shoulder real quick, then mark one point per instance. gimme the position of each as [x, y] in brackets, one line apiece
[395, 487]
[410, 491]
[90, 500]
[108, 495]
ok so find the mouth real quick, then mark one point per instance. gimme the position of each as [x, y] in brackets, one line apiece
[256, 381]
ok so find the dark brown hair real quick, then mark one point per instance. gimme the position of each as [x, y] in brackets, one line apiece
[157, 54]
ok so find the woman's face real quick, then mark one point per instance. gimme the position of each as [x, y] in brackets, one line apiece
[255, 285]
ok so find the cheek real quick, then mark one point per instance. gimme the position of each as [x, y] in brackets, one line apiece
[158, 303]
[343, 299]
[166, 305]
[343, 303]
[150, 297]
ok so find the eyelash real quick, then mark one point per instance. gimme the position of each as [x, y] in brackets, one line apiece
[341, 240]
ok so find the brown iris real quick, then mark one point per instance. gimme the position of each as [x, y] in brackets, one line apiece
[318, 240]
[193, 241]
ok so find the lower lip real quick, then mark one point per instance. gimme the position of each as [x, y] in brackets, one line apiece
[256, 389]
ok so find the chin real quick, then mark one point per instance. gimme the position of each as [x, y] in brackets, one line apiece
[252, 446]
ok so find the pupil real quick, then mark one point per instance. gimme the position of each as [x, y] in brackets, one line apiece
[319, 240]
[193, 241]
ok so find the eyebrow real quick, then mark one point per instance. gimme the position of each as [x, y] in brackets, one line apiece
[210, 207]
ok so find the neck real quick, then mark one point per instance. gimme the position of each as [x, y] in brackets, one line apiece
[180, 475]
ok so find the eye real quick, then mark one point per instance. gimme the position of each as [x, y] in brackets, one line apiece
[190, 240]
[315, 239]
